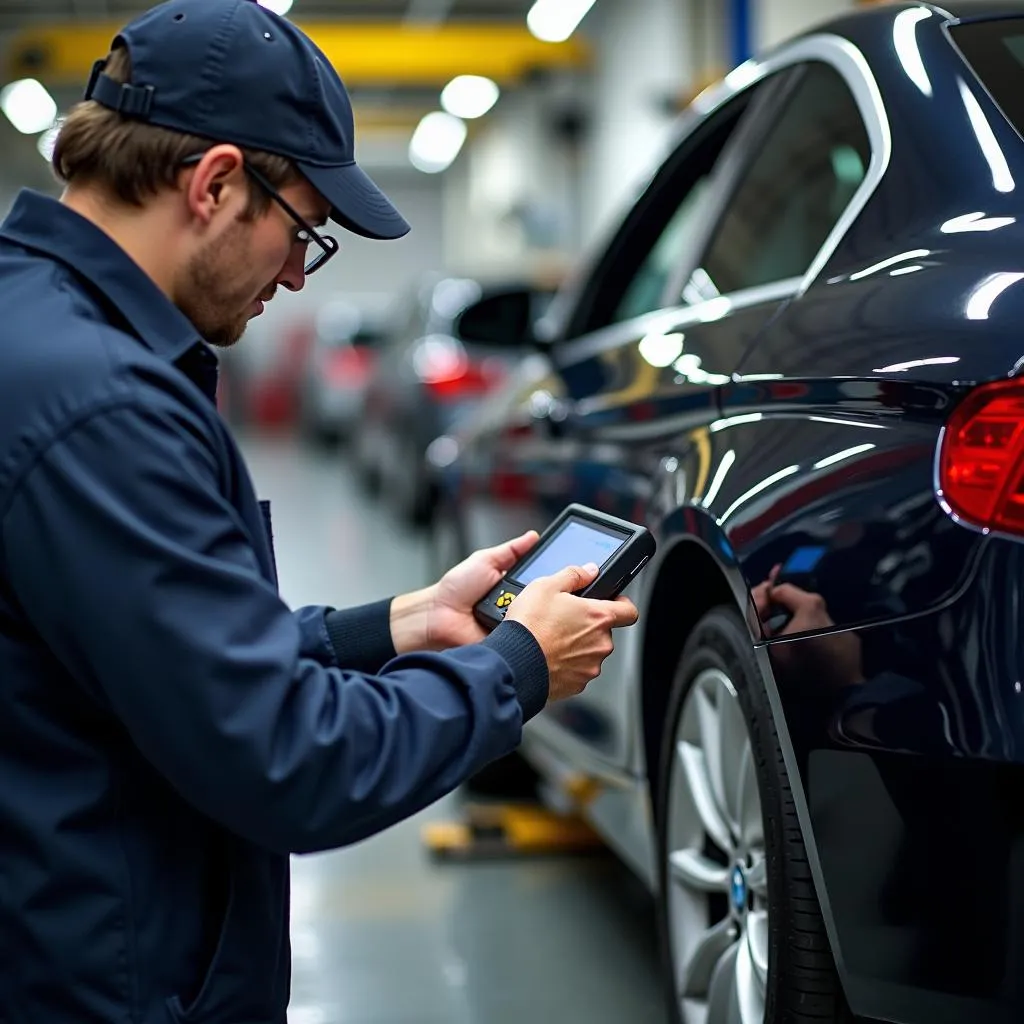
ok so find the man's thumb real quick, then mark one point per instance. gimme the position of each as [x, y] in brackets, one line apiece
[575, 577]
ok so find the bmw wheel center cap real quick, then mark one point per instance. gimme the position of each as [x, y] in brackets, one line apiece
[739, 890]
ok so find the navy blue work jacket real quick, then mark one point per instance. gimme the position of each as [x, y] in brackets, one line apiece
[170, 731]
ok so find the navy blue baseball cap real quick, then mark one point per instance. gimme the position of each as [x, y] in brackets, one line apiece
[233, 71]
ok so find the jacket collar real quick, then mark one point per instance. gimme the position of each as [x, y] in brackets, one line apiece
[47, 226]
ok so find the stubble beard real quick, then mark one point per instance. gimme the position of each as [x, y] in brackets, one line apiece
[210, 291]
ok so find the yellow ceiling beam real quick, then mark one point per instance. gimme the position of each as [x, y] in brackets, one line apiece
[365, 54]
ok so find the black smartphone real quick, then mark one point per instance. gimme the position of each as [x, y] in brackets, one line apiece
[579, 535]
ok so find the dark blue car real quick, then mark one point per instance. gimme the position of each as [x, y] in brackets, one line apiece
[795, 360]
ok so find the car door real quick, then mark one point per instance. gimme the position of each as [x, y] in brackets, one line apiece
[631, 412]
[579, 424]
[645, 431]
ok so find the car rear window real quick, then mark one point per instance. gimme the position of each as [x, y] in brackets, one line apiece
[995, 51]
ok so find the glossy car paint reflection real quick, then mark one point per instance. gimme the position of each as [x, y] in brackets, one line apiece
[909, 740]
[809, 415]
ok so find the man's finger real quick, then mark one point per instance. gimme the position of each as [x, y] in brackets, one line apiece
[792, 598]
[762, 598]
[625, 612]
[504, 556]
[574, 577]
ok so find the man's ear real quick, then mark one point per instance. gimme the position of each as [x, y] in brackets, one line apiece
[217, 182]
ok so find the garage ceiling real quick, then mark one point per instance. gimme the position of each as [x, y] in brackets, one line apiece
[394, 55]
[15, 14]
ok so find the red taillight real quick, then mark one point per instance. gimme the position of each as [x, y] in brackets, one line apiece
[981, 462]
[472, 380]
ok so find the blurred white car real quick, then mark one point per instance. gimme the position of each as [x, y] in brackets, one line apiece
[338, 365]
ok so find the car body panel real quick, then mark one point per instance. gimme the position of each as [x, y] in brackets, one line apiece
[912, 782]
[809, 413]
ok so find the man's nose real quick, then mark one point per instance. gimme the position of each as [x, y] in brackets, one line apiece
[293, 274]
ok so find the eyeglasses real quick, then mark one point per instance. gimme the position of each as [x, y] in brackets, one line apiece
[307, 234]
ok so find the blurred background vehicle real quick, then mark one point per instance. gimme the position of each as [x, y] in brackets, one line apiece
[427, 377]
[338, 365]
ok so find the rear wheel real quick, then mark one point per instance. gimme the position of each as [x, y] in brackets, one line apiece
[740, 923]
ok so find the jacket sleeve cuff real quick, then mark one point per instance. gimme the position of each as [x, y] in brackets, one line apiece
[516, 644]
[361, 637]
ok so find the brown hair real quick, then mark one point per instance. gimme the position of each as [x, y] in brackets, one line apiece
[131, 160]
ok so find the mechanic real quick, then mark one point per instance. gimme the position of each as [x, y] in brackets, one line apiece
[171, 731]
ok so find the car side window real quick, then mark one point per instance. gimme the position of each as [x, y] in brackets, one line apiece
[642, 260]
[794, 191]
[644, 292]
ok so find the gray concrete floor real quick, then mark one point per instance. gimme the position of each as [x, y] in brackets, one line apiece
[383, 935]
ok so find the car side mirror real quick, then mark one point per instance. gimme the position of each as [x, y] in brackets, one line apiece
[503, 320]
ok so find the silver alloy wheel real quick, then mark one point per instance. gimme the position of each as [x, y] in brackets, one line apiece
[718, 884]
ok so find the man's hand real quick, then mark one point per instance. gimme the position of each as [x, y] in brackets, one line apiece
[834, 659]
[441, 616]
[575, 633]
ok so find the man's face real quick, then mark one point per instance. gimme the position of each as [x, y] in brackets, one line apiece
[237, 271]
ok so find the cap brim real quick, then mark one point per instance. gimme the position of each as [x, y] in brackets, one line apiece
[356, 202]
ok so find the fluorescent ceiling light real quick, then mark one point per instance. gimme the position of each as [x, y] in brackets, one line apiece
[28, 106]
[47, 141]
[281, 7]
[840, 456]
[904, 37]
[553, 21]
[720, 474]
[980, 302]
[915, 363]
[914, 254]
[975, 222]
[1002, 179]
[758, 488]
[469, 96]
[661, 350]
[436, 142]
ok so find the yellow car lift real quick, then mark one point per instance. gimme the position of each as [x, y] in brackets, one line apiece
[488, 831]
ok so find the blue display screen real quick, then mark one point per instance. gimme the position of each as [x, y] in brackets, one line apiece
[576, 543]
[803, 560]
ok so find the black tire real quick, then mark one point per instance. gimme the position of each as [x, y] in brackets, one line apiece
[802, 986]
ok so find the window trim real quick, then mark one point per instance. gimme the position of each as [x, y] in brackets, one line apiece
[851, 64]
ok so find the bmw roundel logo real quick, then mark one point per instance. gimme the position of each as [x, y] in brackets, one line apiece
[739, 889]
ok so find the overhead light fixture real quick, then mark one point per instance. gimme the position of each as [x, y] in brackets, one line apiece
[553, 21]
[904, 37]
[662, 350]
[28, 106]
[903, 257]
[436, 142]
[975, 222]
[1002, 178]
[281, 7]
[47, 142]
[980, 303]
[469, 96]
